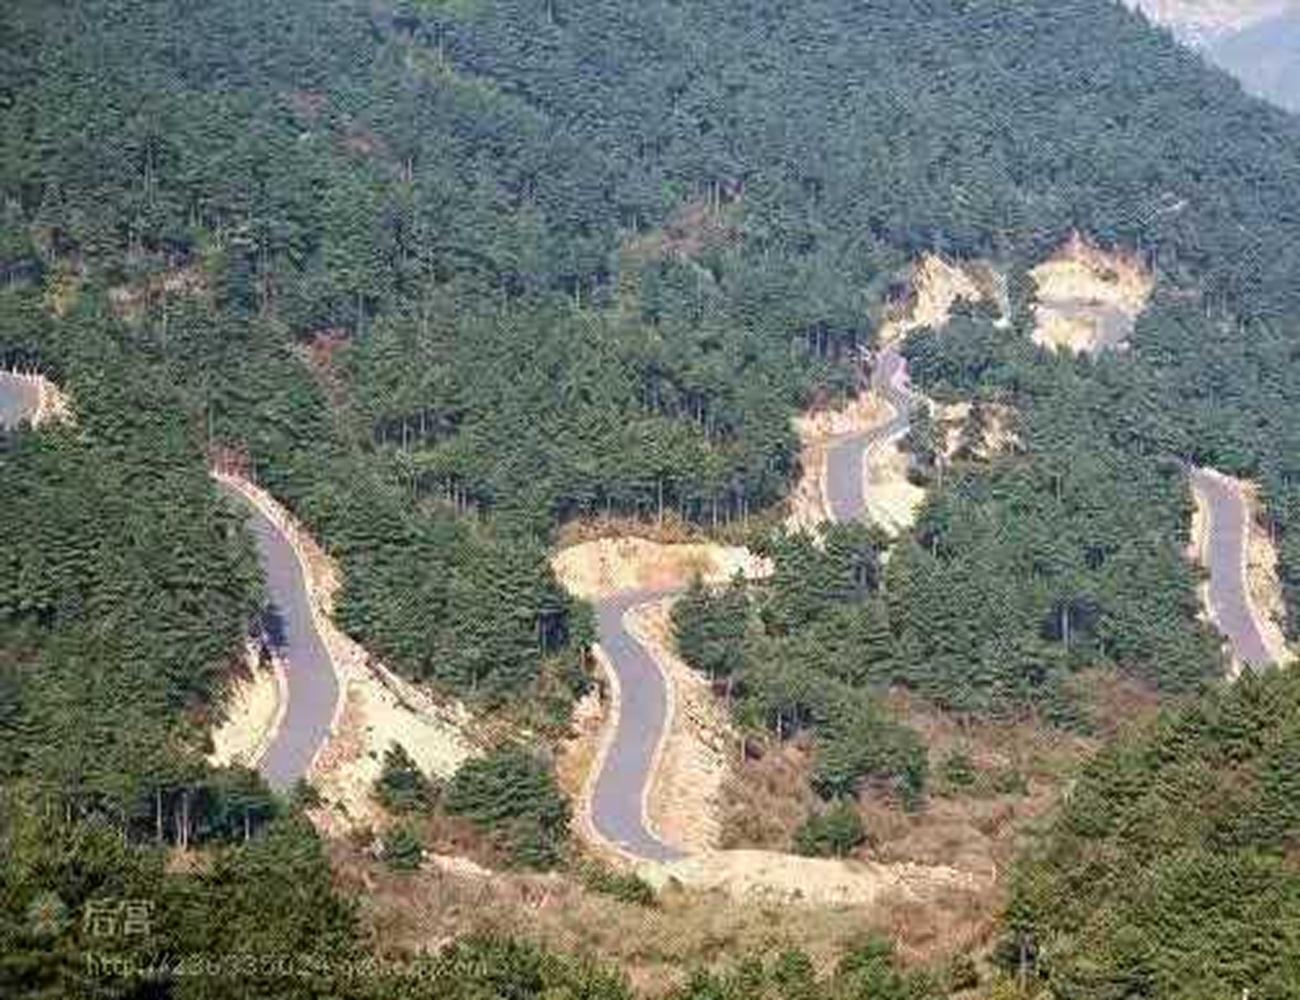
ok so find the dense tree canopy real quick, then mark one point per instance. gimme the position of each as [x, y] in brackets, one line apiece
[441, 275]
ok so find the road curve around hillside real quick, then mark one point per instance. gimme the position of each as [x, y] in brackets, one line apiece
[1230, 605]
[19, 399]
[846, 457]
[312, 686]
[618, 801]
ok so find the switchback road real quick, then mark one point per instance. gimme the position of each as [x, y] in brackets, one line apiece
[313, 688]
[618, 803]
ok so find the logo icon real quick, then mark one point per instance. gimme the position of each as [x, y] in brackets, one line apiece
[47, 915]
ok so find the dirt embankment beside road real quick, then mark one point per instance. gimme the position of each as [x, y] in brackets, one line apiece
[377, 708]
[254, 711]
[1089, 299]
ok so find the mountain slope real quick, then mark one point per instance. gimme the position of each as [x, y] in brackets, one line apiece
[1257, 41]
[445, 275]
[1266, 58]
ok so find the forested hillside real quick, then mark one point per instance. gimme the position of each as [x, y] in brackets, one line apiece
[1172, 871]
[445, 275]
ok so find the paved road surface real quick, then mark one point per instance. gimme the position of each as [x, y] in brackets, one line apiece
[1229, 600]
[617, 802]
[18, 399]
[617, 806]
[313, 689]
[847, 455]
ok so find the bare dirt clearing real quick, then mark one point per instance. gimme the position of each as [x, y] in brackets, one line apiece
[253, 715]
[33, 399]
[1087, 298]
[688, 928]
[934, 286]
[606, 566]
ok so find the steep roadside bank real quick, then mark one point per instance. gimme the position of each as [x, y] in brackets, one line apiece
[313, 691]
[372, 707]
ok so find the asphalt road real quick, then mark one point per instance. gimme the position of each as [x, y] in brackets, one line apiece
[846, 457]
[1229, 602]
[313, 688]
[18, 399]
[618, 802]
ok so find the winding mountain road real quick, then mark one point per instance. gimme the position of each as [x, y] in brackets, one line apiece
[846, 457]
[1230, 607]
[312, 686]
[618, 802]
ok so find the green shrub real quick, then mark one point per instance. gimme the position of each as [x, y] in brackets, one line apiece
[1011, 781]
[402, 787]
[833, 833]
[403, 850]
[625, 886]
[958, 770]
[513, 794]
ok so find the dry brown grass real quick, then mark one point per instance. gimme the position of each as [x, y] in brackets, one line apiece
[767, 797]
[656, 946]
[1020, 770]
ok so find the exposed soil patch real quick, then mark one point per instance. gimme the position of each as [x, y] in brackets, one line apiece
[698, 748]
[892, 499]
[790, 879]
[38, 401]
[253, 712]
[953, 422]
[656, 946]
[377, 707]
[1088, 299]
[130, 301]
[933, 288]
[1262, 583]
[606, 566]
